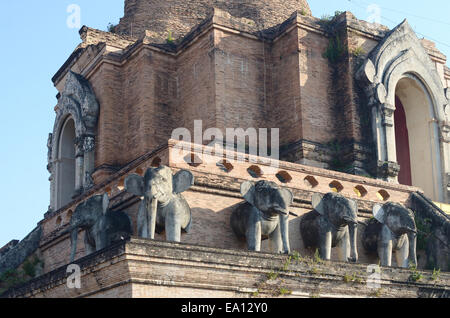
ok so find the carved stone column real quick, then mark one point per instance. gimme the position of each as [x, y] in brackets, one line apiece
[89, 164]
[79, 167]
[387, 112]
[388, 170]
[51, 169]
[445, 141]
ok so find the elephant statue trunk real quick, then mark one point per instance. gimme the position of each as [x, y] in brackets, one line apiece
[152, 208]
[353, 228]
[412, 239]
[73, 243]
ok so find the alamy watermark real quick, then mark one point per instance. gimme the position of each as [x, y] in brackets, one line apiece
[234, 144]
[74, 19]
[374, 12]
[74, 279]
[374, 276]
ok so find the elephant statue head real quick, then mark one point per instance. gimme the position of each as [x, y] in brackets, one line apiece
[267, 197]
[163, 206]
[102, 226]
[264, 214]
[334, 222]
[398, 232]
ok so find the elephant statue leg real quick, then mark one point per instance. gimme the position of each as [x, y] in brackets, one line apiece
[412, 252]
[276, 241]
[284, 234]
[100, 240]
[88, 243]
[326, 239]
[142, 221]
[385, 247]
[173, 229]
[279, 238]
[73, 243]
[344, 246]
[402, 253]
[253, 234]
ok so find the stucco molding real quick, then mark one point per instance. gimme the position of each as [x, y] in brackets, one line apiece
[78, 102]
[399, 55]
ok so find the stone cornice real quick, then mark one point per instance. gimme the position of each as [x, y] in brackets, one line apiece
[219, 20]
[295, 275]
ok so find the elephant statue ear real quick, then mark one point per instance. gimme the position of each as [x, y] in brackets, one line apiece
[182, 181]
[317, 203]
[135, 184]
[378, 213]
[105, 203]
[288, 196]
[248, 191]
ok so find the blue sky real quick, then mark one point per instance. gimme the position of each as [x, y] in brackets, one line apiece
[36, 41]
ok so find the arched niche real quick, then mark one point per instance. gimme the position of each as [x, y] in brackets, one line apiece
[414, 107]
[66, 169]
[396, 68]
[71, 146]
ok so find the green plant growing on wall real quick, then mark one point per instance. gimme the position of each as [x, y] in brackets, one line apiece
[272, 275]
[436, 274]
[170, 39]
[287, 263]
[358, 51]
[354, 278]
[111, 28]
[317, 259]
[30, 266]
[327, 19]
[284, 292]
[296, 256]
[315, 271]
[415, 274]
[423, 232]
[377, 293]
[335, 50]
[14, 277]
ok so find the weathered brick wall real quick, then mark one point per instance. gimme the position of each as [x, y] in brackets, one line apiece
[144, 268]
[227, 74]
[179, 16]
[284, 88]
[213, 198]
[317, 114]
[240, 75]
[195, 80]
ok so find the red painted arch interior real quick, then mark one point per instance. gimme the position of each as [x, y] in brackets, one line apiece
[402, 144]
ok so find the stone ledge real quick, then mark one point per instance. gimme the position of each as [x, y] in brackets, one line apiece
[163, 269]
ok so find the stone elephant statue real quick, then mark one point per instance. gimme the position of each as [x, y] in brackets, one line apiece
[163, 207]
[333, 223]
[102, 226]
[264, 215]
[392, 229]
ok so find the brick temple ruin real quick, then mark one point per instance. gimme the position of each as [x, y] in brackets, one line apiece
[362, 111]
